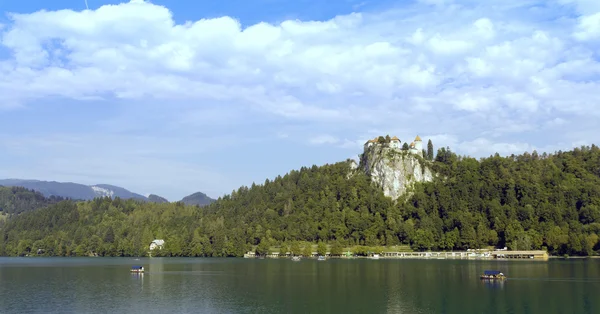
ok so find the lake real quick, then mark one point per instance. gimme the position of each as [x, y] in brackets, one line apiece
[215, 285]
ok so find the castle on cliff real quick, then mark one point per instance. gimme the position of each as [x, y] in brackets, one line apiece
[415, 147]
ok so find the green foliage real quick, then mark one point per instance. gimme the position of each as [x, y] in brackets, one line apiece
[522, 202]
[295, 249]
[262, 248]
[336, 248]
[16, 200]
[429, 154]
[307, 250]
[322, 248]
[405, 146]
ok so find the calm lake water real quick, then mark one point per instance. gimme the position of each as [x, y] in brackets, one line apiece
[212, 285]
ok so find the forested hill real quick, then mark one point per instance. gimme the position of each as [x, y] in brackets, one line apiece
[197, 198]
[528, 201]
[15, 200]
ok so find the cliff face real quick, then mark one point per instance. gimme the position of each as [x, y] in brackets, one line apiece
[394, 170]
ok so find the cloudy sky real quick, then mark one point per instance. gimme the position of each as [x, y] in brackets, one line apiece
[174, 97]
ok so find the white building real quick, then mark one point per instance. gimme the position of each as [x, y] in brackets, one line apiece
[416, 147]
[395, 142]
[157, 244]
[370, 143]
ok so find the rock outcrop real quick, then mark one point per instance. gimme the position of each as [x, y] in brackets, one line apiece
[394, 170]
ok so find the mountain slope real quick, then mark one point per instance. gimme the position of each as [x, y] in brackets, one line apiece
[115, 191]
[74, 191]
[15, 200]
[197, 198]
[157, 199]
[523, 202]
[48, 188]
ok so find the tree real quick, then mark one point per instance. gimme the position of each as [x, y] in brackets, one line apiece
[423, 240]
[263, 247]
[451, 239]
[295, 249]
[322, 248]
[405, 146]
[336, 248]
[429, 150]
[307, 250]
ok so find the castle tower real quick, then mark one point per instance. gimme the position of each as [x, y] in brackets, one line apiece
[416, 147]
[411, 148]
[395, 142]
[370, 143]
[418, 144]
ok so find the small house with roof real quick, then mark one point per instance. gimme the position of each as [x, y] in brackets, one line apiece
[395, 142]
[157, 244]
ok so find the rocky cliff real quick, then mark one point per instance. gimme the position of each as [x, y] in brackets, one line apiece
[394, 170]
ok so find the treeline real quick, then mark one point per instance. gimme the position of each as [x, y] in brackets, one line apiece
[523, 202]
[15, 200]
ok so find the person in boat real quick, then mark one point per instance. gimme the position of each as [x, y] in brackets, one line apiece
[137, 269]
[492, 274]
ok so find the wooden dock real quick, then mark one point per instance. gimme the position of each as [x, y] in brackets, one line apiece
[471, 254]
[537, 255]
[431, 255]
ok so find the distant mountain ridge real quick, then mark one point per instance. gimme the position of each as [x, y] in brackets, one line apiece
[78, 191]
[16, 199]
[74, 191]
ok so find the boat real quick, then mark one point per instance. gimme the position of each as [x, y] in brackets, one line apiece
[492, 275]
[375, 256]
[321, 258]
[137, 269]
[296, 258]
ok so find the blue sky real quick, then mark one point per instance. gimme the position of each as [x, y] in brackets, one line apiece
[174, 97]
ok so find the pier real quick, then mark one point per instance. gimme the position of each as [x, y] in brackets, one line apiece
[537, 255]
[432, 255]
[470, 254]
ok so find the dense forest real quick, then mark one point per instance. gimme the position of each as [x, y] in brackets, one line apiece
[528, 201]
[15, 200]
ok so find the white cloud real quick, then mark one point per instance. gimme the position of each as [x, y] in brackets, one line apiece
[589, 27]
[475, 76]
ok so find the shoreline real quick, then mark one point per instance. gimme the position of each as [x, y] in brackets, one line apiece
[422, 257]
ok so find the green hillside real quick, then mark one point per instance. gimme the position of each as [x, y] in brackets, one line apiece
[528, 201]
[15, 200]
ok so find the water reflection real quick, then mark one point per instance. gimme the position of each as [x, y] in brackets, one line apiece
[189, 285]
[493, 284]
[138, 276]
